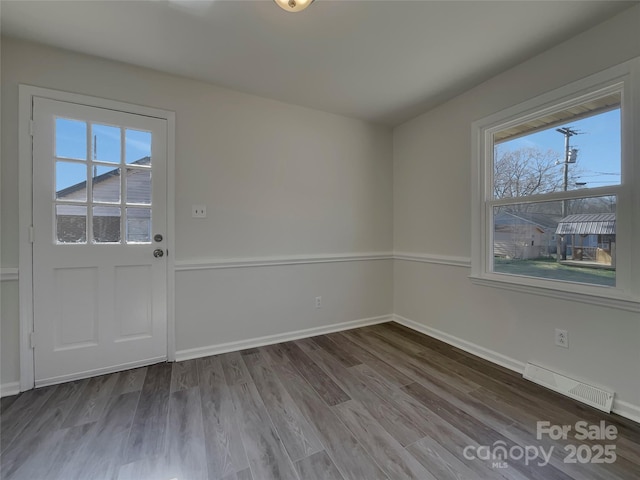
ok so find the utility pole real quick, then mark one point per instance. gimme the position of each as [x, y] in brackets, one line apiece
[570, 156]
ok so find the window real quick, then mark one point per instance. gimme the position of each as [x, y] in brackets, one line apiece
[555, 211]
[117, 198]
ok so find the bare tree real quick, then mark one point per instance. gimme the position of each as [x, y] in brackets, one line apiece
[593, 205]
[529, 171]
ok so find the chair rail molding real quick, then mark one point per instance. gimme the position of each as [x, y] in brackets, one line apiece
[243, 262]
[451, 260]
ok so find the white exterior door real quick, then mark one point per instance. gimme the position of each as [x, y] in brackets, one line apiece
[99, 252]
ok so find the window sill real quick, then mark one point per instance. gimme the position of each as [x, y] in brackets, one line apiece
[599, 299]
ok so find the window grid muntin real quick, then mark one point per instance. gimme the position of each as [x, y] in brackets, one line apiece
[89, 204]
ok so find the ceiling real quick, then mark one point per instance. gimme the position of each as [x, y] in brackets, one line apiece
[384, 61]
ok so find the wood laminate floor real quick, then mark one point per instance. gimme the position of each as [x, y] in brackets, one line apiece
[379, 402]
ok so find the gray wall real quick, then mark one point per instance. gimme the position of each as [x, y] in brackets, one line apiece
[277, 179]
[432, 215]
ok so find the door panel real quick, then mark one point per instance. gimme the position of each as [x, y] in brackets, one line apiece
[99, 197]
[75, 314]
[133, 301]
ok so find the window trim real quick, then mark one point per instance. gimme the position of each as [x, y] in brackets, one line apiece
[626, 294]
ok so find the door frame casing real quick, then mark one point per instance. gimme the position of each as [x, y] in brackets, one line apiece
[26, 93]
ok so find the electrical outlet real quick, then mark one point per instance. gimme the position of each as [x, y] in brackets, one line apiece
[318, 302]
[199, 211]
[562, 338]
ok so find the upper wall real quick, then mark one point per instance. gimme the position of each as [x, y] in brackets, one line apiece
[432, 153]
[432, 215]
[277, 179]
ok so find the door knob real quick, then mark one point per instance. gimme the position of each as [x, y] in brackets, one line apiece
[158, 252]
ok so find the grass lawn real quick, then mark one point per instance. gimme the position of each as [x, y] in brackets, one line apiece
[549, 268]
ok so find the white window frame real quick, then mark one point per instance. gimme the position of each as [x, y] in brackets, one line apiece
[626, 294]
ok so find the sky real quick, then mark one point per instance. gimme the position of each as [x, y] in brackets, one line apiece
[71, 142]
[598, 147]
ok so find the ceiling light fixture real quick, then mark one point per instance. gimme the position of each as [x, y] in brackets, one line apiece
[293, 5]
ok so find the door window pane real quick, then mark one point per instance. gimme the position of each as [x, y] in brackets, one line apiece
[138, 225]
[71, 139]
[71, 181]
[138, 147]
[110, 198]
[71, 223]
[105, 143]
[106, 184]
[106, 224]
[138, 186]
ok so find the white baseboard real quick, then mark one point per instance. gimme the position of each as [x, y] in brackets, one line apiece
[620, 407]
[278, 338]
[490, 355]
[10, 388]
[626, 410]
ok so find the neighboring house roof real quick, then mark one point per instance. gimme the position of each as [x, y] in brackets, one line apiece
[100, 178]
[542, 221]
[71, 218]
[588, 224]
